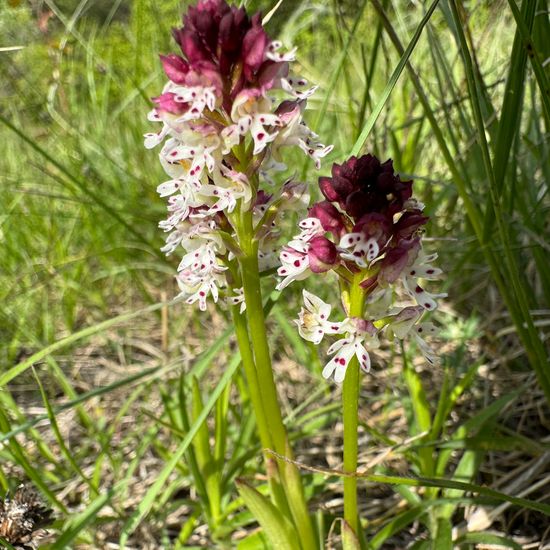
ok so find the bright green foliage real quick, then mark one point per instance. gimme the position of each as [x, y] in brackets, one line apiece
[465, 110]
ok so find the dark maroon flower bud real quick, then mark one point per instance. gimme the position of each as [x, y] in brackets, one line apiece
[207, 27]
[262, 198]
[374, 226]
[288, 109]
[370, 283]
[322, 254]
[362, 185]
[362, 201]
[329, 216]
[325, 184]
[175, 67]
[270, 71]
[224, 48]
[254, 47]
[233, 27]
[198, 39]
[409, 223]
[366, 167]
[363, 325]
[167, 103]
[396, 259]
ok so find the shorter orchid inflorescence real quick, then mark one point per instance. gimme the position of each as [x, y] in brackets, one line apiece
[230, 105]
[368, 231]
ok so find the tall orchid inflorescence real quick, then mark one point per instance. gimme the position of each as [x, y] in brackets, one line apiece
[230, 105]
[368, 231]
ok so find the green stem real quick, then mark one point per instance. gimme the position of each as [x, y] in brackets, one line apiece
[258, 336]
[350, 406]
[241, 331]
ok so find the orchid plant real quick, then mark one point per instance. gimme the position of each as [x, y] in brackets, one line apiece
[368, 231]
[231, 105]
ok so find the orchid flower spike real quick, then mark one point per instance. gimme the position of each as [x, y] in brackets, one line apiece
[230, 107]
[368, 231]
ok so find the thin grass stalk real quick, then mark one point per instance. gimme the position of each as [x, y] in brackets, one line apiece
[405, 54]
[536, 63]
[472, 211]
[517, 301]
[510, 120]
[61, 442]
[471, 208]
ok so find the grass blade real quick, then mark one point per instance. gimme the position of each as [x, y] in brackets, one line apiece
[151, 495]
[82, 186]
[373, 117]
[10, 374]
[79, 522]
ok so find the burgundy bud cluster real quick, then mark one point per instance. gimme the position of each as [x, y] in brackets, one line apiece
[362, 185]
[372, 218]
[223, 48]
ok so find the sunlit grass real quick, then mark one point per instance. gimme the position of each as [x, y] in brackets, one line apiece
[82, 281]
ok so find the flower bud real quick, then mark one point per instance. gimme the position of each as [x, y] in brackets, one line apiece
[408, 224]
[329, 216]
[168, 104]
[401, 324]
[374, 226]
[362, 185]
[175, 67]
[322, 254]
[393, 264]
[253, 49]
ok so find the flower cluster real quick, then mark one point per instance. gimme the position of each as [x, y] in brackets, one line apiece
[230, 105]
[368, 230]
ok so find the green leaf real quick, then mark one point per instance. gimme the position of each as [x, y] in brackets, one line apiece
[443, 539]
[5, 544]
[79, 522]
[421, 410]
[452, 484]
[256, 541]
[396, 524]
[201, 440]
[278, 529]
[488, 538]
